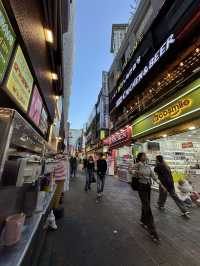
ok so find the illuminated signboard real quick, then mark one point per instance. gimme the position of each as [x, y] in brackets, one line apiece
[154, 60]
[172, 111]
[36, 107]
[43, 121]
[130, 72]
[122, 135]
[20, 81]
[7, 40]
[184, 105]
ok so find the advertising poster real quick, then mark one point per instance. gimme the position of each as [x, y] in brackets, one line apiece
[20, 81]
[36, 107]
[7, 40]
[43, 125]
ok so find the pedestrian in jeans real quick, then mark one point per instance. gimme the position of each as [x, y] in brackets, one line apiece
[89, 173]
[144, 174]
[101, 174]
[165, 176]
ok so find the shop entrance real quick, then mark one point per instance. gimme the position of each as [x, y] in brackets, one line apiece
[181, 152]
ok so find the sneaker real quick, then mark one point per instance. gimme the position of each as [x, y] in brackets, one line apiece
[155, 238]
[186, 214]
[161, 208]
[144, 225]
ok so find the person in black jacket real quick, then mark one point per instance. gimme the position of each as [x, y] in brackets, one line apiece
[73, 166]
[165, 176]
[101, 174]
[89, 173]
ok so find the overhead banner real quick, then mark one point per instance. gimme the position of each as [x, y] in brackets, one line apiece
[7, 40]
[180, 107]
[20, 81]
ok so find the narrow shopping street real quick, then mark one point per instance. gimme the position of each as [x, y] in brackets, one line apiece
[86, 234]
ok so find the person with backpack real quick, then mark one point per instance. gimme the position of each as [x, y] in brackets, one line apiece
[165, 176]
[101, 175]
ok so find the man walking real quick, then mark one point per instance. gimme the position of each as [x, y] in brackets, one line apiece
[101, 174]
[73, 166]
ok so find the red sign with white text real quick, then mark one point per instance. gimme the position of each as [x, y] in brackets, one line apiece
[187, 145]
[123, 135]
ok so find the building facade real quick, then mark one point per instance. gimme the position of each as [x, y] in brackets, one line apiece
[118, 34]
[33, 78]
[154, 91]
[97, 128]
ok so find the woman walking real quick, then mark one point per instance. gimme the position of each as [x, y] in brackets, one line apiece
[165, 176]
[90, 166]
[144, 174]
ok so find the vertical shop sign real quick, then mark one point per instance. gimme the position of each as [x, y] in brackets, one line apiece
[43, 122]
[7, 40]
[36, 107]
[20, 81]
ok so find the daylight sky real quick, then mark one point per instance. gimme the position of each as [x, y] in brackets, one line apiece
[94, 20]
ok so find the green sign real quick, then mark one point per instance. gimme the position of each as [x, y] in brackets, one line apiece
[7, 40]
[185, 104]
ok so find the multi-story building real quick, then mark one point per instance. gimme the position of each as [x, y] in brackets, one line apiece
[74, 140]
[33, 110]
[38, 88]
[145, 14]
[97, 128]
[118, 34]
[153, 89]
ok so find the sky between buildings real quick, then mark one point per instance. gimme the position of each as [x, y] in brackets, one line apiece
[94, 21]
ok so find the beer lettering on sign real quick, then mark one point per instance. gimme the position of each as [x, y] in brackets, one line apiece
[172, 111]
[153, 61]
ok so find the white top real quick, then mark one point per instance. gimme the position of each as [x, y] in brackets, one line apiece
[145, 173]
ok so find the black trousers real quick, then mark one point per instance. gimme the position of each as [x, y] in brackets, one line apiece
[73, 171]
[163, 197]
[146, 215]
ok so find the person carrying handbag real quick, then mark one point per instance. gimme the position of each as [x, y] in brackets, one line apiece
[143, 174]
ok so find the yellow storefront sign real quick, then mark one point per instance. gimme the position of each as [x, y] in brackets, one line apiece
[172, 111]
[20, 81]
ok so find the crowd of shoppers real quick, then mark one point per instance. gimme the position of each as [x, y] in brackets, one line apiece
[142, 172]
[101, 168]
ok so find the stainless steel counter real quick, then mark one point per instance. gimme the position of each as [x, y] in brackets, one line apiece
[13, 256]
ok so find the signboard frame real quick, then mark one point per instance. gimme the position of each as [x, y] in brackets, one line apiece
[178, 108]
[10, 79]
[6, 27]
[35, 93]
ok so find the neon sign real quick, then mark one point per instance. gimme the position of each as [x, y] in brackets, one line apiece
[154, 60]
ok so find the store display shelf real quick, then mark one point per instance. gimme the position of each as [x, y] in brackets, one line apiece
[13, 256]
